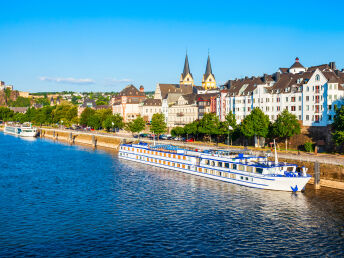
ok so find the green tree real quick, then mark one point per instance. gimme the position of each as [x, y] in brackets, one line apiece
[64, 113]
[117, 119]
[137, 125]
[158, 125]
[94, 122]
[255, 124]
[101, 102]
[104, 113]
[230, 122]
[20, 117]
[209, 125]
[285, 126]
[43, 101]
[5, 113]
[192, 128]
[178, 131]
[20, 102]
[338, 127]
[85, 116]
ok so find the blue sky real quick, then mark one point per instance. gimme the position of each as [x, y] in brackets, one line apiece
[105, 45]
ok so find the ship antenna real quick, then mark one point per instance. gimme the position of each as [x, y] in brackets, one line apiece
[276, 158]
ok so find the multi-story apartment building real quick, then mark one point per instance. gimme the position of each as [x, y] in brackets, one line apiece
[150, 107]
[309, 93]
[127, 102]
[183, 112]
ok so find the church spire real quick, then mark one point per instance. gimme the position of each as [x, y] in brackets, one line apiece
[208, 70]
[186, 77]
[208, 81]
[186, 70]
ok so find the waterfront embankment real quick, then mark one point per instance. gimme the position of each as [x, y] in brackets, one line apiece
[331, 166]
[83, 138]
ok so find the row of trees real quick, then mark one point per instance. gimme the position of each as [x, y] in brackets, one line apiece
[255, 124]
[67, 115]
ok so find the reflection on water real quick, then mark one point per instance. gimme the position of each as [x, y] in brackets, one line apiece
[29, 139]
[62, 200]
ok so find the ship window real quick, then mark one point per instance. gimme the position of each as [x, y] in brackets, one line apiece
[249, 169]
[241, 177]
[169, 155]
[259, 170]
[234, 166]
[199, 169]
[219, 173]
[172, 164]
[183, 166]
[220, 164]
[233, 176]
[241, 167]
[226, 165]
[189, 167]
[246, 178]
[213, 163]
[174, 156]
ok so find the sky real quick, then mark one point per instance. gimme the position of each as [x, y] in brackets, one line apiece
[106, 45]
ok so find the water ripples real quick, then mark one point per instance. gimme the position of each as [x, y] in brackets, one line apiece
[61, 200]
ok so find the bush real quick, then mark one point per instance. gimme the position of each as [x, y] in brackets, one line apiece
[308, 147]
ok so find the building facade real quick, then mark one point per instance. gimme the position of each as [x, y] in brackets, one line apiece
[127, 102]
[311, 94]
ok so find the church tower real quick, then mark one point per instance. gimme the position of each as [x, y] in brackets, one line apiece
[186, 77]
[208, 81]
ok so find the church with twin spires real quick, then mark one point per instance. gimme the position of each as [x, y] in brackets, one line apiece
[208, 80]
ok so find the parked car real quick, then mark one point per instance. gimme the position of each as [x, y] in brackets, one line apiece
[190, 140]
[143, 135]
[163, 137]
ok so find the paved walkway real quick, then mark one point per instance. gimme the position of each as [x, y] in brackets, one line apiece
[307, 157]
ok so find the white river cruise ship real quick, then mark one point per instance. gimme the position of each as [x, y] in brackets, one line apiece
[24, 130]
[237, 168]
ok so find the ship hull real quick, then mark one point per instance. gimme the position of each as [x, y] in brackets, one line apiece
[279, 183]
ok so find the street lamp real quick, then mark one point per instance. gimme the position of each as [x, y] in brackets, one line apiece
[229, 129]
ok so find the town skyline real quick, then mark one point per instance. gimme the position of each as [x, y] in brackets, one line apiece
[106, 46]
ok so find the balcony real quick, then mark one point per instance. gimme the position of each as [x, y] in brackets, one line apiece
[180, 114]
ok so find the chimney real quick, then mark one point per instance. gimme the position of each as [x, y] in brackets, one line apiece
[336, 72]
[297, 59]
[332, 65]
[142, 89]
[277, 76]
[265, 78]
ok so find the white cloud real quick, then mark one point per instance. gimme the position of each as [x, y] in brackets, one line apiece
[115, 81]
[67, 80]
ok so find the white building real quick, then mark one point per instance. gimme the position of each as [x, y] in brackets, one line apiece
[309, 93]
[150, 107]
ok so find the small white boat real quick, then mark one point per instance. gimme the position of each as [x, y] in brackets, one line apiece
[224, 165]
[24, 130]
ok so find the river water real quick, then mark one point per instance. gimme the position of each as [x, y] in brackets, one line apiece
[62, 200]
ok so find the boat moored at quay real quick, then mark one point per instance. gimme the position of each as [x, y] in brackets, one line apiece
[24, 130]
[229, 166]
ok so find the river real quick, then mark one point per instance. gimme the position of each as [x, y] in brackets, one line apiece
[63, 200]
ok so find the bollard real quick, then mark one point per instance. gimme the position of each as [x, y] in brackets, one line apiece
[316, 175]
[54, 134]
[71, 137]
[94, 141]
